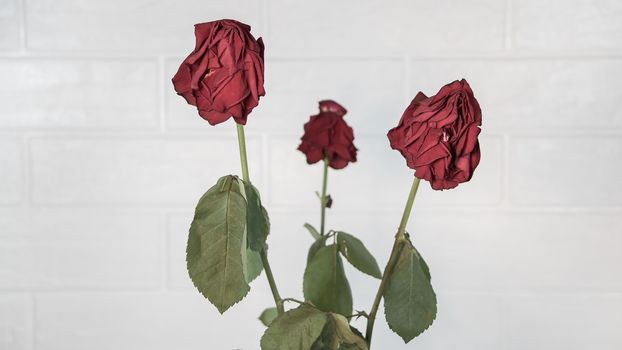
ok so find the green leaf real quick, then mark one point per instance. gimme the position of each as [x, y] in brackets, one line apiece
[257, 221]
[268, 315]
[319, 243]
[215, 244]
[251, 259]
[296, 329]
[409, 300]
[252, 265]
[316, 235]
[325, 283]
[424, 266]
[356, 253]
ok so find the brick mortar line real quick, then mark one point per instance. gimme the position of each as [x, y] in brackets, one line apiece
[266, 185]
[162, 115]
[163, 250]
[492, 132]
[505, 185]
[586, 54]
[149, 208]
[278, 135]
[281, 210]
[521, 293]
[91, 290]
[167, 257]
[123, 136]
[35, 320]
[450, 56]
[512, 209]
[22, 26]
[28, 176]
[266, 20]
[79, 56]
[504, 330]
[407, 70]
[508, 28]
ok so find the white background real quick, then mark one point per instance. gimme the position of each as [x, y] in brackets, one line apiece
[101, 165]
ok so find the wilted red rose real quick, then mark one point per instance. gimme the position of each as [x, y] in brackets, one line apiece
[327, 134]
[223, 76]
[438, 135]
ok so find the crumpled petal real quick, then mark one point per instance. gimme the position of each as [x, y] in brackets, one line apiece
[438, 135]
[224, 75]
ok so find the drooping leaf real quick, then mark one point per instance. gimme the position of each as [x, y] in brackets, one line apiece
[319, 243]
[409, 300]
[337, 334]
[251, 259]
[296, 329]
[268, 315]
[257, 221]
[312, 230]
[355, 252]
[357, 332]
[215, 244]
[345, 335]
[325, 283]
[252, 265]
[327, 339]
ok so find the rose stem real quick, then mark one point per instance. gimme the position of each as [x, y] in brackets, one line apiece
[400, 238]
[263, 253]
[242, 145]
[323, 198]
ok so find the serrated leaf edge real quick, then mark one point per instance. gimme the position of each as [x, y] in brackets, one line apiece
[405, 339]
[242, 296]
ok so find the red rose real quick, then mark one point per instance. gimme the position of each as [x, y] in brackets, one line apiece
[438, 135]
[223, 76]
[327, 134]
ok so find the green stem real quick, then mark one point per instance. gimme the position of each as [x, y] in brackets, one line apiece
[398, 245]
[323, 198]
[409, 205]
[242, 145]
[263, 253]
[275, 292]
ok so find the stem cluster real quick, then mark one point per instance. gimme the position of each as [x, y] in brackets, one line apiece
[400, 239]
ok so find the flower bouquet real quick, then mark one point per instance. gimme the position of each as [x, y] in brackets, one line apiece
[227, 249]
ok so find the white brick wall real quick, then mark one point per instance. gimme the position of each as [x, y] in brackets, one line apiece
[101, 165]
[16, 321]
[11, 177]
[9, 25]
[76, 94]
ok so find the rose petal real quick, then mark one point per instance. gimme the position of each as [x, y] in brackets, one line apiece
[327, 134]
[223, 75]
[437, 135]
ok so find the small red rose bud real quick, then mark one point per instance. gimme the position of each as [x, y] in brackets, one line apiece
[328, 135]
